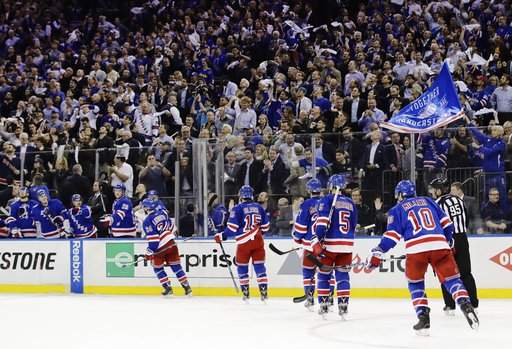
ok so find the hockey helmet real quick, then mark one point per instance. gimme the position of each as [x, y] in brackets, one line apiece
[406, 188]
[246, 192]
[337, 181]
[314, 186]
[149, 204]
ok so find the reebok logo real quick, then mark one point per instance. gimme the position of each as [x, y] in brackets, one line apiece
[504, 258]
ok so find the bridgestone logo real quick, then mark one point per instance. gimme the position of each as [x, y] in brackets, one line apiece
[27, 260]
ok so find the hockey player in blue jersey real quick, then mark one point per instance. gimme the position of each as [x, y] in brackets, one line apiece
[427, 232]
[20, 220]
[162, 249]
[335, 225]
[303, 234]
[153, 195]
[248, 222]
[51, 216]
[80, 219]
[217, 216]
[121, 220]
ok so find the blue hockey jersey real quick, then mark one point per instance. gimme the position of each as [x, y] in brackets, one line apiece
[303, 229]
[217, 219]
[50, 219]
[245, 221]
[81, 222]
[122, 218]
[337, 235]
[160, 231]
[493, 150]
[20, 221]
[421, 222]
[435, 151]
[4, 230]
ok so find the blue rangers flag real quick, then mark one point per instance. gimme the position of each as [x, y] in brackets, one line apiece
[438, 106]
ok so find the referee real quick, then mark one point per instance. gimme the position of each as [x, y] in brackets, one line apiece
[455, 209]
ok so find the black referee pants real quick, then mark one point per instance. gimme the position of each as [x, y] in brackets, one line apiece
[463, 260]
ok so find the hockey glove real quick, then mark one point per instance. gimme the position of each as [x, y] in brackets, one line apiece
[58, 221]
[318, 249]
[219, 237]
[106, 221]
[374, 260]
[149, 256]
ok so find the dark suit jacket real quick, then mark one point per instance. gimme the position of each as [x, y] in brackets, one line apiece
[328, 152]
[277, 176]
[29, 157]
[347, 108]
[75, 184]
[379, 159]
[231, 186]
[390, 156]
[256, 178]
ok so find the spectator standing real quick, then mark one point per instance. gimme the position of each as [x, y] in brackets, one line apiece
[154, 175]
[122, 173]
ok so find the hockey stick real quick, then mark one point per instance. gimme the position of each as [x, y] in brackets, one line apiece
[229, 267]
[279, 252]
[138, 260]
[362, 264]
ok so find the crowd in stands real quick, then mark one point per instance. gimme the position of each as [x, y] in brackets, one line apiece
[138, 81]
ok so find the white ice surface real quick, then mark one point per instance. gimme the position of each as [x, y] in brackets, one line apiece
[90, 322]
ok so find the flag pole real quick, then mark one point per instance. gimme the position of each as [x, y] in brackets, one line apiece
[413, 159]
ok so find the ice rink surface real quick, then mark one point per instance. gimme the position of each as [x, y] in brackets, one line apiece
[90, 322]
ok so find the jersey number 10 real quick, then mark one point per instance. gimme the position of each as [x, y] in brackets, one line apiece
[421, 220]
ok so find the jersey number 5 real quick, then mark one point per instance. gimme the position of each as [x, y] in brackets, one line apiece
[423, 219]
[251, 221]
[344, 222]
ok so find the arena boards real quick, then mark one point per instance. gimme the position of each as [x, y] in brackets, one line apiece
[96, 267]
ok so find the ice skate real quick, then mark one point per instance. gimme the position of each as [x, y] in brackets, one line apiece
[448, 311]
[470, 314]
[422, 328]
[324, 309]
[263, 294]
[245, 294]
[167, 290]
[187, 289]
[343, 311]
[310, 302]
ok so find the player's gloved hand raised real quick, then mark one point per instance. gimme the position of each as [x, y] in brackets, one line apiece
[219, 237]
[149, 256]
[374, 260]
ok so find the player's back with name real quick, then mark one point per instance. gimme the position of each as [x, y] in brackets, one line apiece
[422, 223]
[160, 230]
[304, 223]
[21, 217]
[339, 237]
[246, 220]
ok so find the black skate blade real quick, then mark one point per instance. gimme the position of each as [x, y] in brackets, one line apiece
[473, 321]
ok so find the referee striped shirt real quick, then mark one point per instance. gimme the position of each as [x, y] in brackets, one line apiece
[454, 207]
